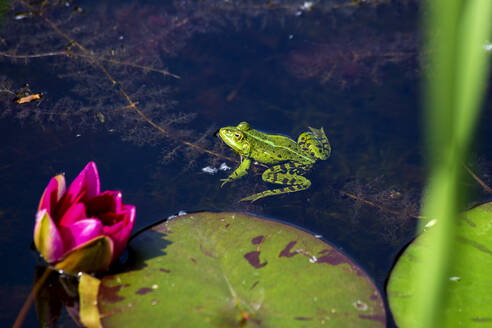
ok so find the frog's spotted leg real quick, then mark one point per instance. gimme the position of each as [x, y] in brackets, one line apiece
[285, 174]
[241, 170]
[315, 143]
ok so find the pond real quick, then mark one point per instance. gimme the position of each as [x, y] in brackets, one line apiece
[142, 88]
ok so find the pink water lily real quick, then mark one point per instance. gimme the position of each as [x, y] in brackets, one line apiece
[80, 228]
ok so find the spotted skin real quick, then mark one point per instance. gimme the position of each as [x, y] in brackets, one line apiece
[290, 160]
[284, 174]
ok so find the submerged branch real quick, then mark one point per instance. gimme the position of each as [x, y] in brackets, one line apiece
[97, 63]
[372, 204]
[91, 57]
[477, 179]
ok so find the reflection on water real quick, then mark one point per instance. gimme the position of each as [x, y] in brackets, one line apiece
[142, 88]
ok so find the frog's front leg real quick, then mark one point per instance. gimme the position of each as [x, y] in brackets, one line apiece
[241, 170]
[284, 174]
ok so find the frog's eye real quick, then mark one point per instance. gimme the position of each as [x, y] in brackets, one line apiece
[243, 126]
[238, 136]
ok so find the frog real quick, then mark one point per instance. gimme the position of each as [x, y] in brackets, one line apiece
[286, 159]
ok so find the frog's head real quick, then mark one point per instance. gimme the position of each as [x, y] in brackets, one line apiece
[235, 139]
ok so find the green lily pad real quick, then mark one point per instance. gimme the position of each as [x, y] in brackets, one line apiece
[237, 270]
[468, 299]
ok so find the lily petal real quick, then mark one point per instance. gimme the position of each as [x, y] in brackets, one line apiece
[108, 201]
[89, 179]
[47, 238]
[120, 232]
[73, 214]
[80, 232]
[92, 256]
[52, 194]
[85, 186]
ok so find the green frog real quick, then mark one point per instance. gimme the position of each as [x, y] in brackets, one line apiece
[290, 159]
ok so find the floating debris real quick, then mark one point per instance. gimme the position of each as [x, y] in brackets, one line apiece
[307, 5]
[209, 170]
[213, 170]
[100, 117]
[224, 167]
[27, 99]
[22, 15]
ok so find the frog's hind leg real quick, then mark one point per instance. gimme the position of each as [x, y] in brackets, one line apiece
[285, 174]
[315, 143]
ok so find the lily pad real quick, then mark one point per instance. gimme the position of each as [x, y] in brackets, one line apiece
[237, 270]
[468, 297]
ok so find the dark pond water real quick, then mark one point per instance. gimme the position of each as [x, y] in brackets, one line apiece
[190, 67]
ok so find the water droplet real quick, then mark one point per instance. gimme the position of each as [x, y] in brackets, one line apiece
[359, 305]
[430, 223]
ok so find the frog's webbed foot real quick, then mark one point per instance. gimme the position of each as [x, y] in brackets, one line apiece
[273, 192]
[239, 172]
[224, 181]
[251, 198]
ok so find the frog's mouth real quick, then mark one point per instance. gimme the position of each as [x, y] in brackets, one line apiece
[227, 136]
[217, 134]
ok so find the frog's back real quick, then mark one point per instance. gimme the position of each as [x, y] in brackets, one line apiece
[273, 148]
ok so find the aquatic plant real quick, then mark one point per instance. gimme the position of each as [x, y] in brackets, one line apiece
[456, 34]
[358, 58]
[81, 228]
[229, 269]
[108, 64]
